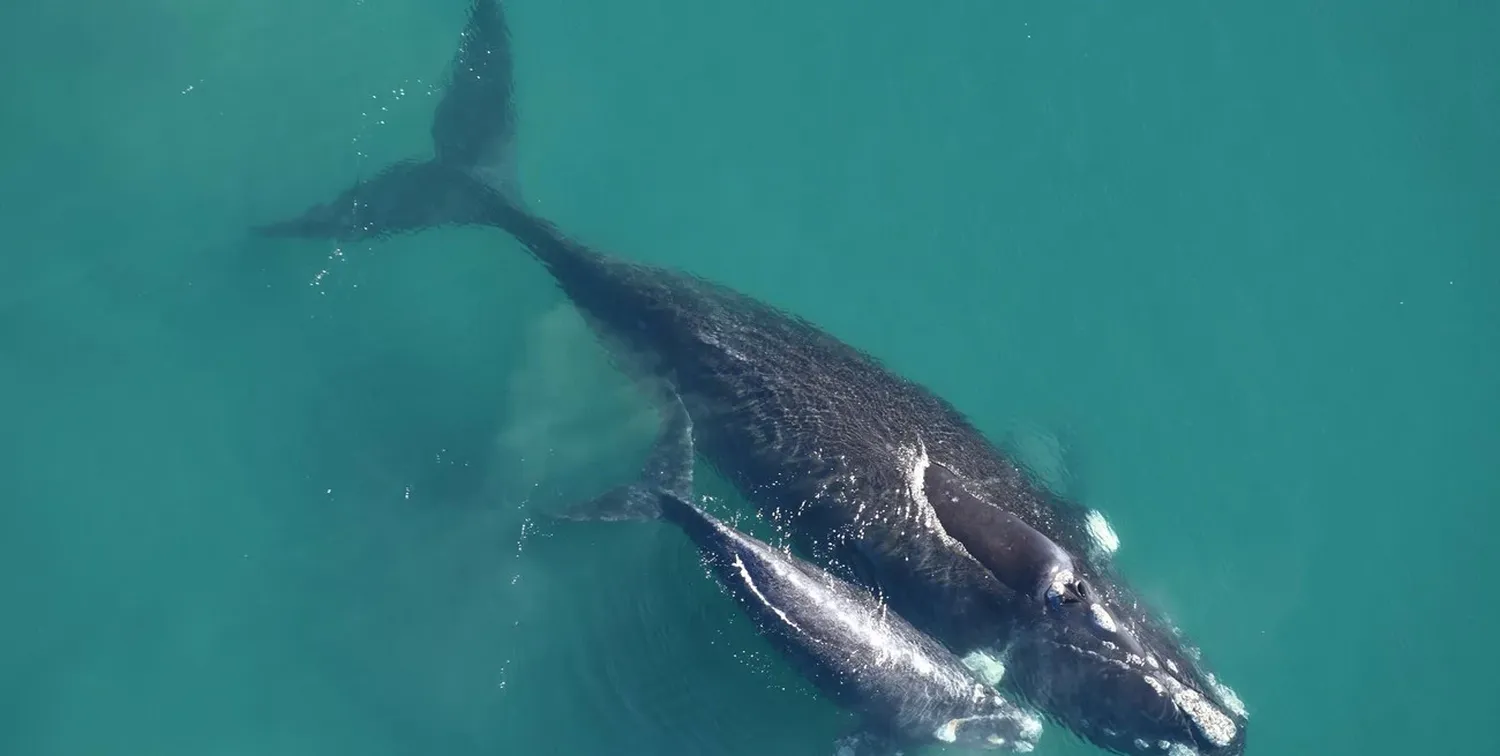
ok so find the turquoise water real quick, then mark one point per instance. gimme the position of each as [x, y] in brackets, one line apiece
[1225, 271]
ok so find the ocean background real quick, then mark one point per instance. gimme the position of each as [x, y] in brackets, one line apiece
[1230, 272]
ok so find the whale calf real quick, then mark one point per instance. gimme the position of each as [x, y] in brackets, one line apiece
[907, 689]
[871, 475]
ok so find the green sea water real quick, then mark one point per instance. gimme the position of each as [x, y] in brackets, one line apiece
[1228, 272]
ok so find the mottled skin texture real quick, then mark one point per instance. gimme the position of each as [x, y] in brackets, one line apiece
[815, 433]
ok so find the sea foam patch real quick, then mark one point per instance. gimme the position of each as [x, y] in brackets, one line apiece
[988, 669]
[1099, 529]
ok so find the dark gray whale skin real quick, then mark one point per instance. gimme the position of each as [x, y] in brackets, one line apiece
[841, 453]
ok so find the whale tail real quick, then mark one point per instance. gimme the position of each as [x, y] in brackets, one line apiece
[471, 178]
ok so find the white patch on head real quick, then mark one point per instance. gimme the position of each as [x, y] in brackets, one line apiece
[1059, 582]
[1104, 536]
[987, 668]
[948, 732]
[1102, 618]
[1030, 728]
[1178, 749]
[1206, 718]
[1218, 728]
[1155, 684]
[1228, 697]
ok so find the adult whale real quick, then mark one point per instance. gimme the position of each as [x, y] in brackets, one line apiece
[845, 455]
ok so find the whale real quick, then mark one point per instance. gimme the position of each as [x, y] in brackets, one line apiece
[871, 475]
[907, 690]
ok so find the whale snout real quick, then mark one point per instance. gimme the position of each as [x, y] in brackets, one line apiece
[1147, 699]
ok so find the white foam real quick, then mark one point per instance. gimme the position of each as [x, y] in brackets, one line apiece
[1031, 728]
[1228, 697]
[988, 669]
[948, 732]
[1104, 536]
[916, 482]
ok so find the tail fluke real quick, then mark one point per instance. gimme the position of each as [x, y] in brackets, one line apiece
[475, 123]
[406, 196]
[473, 168]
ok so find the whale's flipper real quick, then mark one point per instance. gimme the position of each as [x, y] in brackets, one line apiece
[473, 134]
[668, 470]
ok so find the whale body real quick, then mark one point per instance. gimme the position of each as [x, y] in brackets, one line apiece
[873, 476]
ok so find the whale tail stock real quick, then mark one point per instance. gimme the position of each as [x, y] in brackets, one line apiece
[471, 177]
[471, 180]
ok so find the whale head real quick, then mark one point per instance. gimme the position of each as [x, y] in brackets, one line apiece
[1121, 680]
[1082, 649]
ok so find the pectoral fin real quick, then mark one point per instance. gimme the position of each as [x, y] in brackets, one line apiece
[668, 469]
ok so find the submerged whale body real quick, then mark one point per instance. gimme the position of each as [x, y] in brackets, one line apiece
[871, 474]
